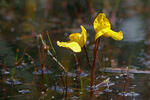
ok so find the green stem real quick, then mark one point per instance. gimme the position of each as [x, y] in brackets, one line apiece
[51, 43]
[53, 57]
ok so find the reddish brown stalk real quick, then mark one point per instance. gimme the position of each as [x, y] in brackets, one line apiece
[94, 64]
[78, 71]
[43, 56]
[87, 57]
[92, 11]
[77, 62]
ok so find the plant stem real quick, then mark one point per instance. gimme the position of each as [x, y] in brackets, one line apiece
[94, 63]
[87, 57]
[78, 70]
[77, 62]
[51, 43]
[49, 53]
[43, 56]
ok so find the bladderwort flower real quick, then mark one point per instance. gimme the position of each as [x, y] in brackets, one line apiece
[77, 41]
[102, 27]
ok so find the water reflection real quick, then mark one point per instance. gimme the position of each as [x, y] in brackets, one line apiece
[134, 28]
[26, 19]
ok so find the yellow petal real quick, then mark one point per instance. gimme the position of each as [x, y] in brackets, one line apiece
[74, 46]
[113, 34]
[79, 38]
[83, 36]
[101, 22]
[98, 35]
[75, 37]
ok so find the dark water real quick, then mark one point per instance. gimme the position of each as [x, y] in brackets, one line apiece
[22, 21]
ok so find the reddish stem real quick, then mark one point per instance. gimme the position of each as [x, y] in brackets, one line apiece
[77, 63]
[87, 57]
[92, 11]
[94, 64]
[78, 71]
[43, 56]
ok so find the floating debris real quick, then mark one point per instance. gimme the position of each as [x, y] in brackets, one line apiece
[127, 76]
[124, 70]
[107, 90]
[19, 67]
[117, 77]
[5, 72]
[130, 94]
[75, 98]
[40, 72]
[24, 91]
[53, 97]
[105, 83]
[71, 74]
[82, 74]
[12, 82]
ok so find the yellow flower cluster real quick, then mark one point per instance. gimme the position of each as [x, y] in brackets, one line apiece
[102, 27]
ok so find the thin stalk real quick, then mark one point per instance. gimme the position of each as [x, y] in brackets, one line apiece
[51, 43]
[43, 55]
[53, 57]
[81, 84]
[16, 62]
[94, 64]
[92, 11]
[87, 57]
[78, 70]
[77, 62]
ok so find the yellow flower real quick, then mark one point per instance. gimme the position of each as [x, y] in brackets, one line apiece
[77, 41]
[102, 27]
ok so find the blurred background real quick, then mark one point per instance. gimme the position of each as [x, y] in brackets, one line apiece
[21, 22]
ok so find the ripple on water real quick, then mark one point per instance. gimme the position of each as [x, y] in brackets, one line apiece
[24, 91]
[40, 72]
[107, 90]
[5, 72]
[82, 74]
[12, 82]
[130, 94]
[59, 89]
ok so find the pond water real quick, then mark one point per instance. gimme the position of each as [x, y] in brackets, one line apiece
[122, 69]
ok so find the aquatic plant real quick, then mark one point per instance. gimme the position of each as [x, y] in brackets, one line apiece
[102, 27]
[77, 41]
[49, 53]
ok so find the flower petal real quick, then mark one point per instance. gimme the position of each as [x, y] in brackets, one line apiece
[83, 36]
[101, 22]
[75, 37]
[80, 38]
[98, 35]
[113, 34]
[74, 46]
